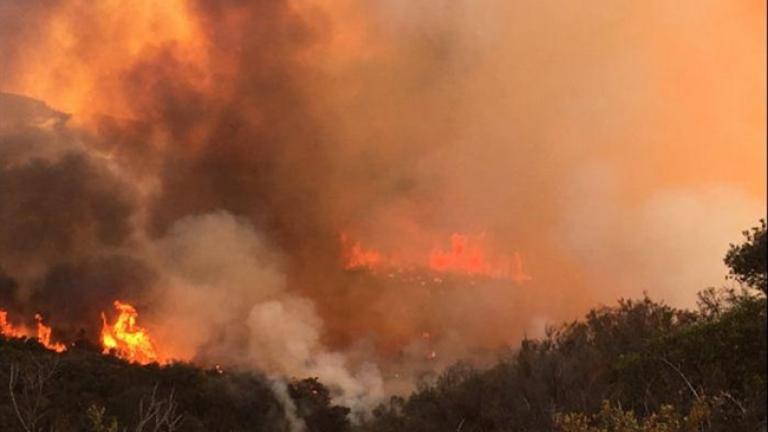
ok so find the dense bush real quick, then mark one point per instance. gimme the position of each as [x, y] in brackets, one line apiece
[641, 358]
[638, 366]
[75, 390]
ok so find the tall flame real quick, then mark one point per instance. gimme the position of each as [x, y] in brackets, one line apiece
[8, 329]
[125, 338]
[44, 336]
[43, 332]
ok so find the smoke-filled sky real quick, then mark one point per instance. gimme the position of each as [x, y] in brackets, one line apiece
[208, 161]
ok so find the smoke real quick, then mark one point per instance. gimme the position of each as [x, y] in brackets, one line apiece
[280, 390]
[201, 160]
[223, 289]
[664, 244]
[216, 271]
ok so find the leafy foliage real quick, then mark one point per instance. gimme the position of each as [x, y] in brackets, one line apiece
[627, 366]
[616, 419]
[93, 392]
[99, 422]
[638, 366]
[747, 261]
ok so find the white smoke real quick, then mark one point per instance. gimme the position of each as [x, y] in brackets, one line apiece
[222, 288]
[671, 242]
[280, 389]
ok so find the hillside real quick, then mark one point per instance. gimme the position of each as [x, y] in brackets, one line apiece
[73, 390]
[637, 366]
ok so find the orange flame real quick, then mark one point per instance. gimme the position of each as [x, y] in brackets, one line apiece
[44, 336]
[468, 255]
[464, 256]
[125, 338]
[355, 256]
[43, 332]
[7, 328]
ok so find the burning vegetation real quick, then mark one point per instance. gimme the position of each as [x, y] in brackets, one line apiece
[123, 338]
[308, 187]
[44, 336]
[8, 329]
[42, 332]
[467, 255]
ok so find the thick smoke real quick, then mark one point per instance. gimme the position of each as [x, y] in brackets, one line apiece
[224, 290]
[201, 159]
[63, 220]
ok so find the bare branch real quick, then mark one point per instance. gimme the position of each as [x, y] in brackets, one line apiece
[26, 388]
[735, 401]
[12, 379]
[682, 375]
[461, 425]
[159, 413]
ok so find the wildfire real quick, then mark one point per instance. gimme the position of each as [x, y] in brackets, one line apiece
[7, 328]
[464, 256]
[467, 255]
[43, 332]
[44, 336]
[355, 256]
[125, 338]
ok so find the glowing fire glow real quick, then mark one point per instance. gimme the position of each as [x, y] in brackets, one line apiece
[355, 256]
[8, 329]
[125, 338]
[43, 332]
[464, 256]
[44, 336]
[467, 255]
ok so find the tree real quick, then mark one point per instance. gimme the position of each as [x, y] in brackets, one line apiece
[28, 389]
[313, 404]
[612, 418]
[747, 261]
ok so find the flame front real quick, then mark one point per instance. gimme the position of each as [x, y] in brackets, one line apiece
[464, 256]
[44, 336]
[125, 338]
[468, 255]
[43, 332]
[8, 329]
[355, 256]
